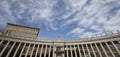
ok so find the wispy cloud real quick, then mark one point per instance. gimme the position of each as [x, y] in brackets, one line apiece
[73, 18]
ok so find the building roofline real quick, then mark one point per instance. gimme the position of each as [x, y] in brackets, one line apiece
[23, 26]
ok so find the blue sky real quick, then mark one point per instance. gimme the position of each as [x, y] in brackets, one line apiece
[65, 18]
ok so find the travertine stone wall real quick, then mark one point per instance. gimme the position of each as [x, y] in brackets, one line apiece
[21, 31]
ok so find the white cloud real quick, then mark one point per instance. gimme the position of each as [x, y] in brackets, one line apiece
[77, 4]
[6, 15]
[90, 17]
[95, 17]
[76, 31]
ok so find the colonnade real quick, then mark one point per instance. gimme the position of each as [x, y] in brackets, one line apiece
[12, 48]
[19, 49]
[103, 49]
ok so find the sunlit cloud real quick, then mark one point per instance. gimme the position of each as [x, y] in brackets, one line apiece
[65, 18]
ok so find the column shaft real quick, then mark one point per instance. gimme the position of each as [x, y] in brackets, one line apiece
[110, 49]
[79, 51]
[45, 51]
[49, 50]
[17, 50]
[88, 50]
[104, 50]
[83, 50]
[4, 48]
[27, 50]
[71, 50]
[41, 50]
[64, 52]
[116, 48]
[67, 50]
[37, 50]
[93, 50]
[53, 51]
[32, 50]
[75, 51]
[98, 50]
[1, 42]
[11, 49]
[22, 50]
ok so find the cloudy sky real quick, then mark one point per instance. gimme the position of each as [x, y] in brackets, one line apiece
[65, 18]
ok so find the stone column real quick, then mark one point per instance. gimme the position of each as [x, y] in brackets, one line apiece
[98, 50]
[75, 51]
[53, 51]
[67, 50]
[4, 48]
[71, 50]
[37, 50]
[88, 50]
[110, 49]
[116, 48]
[32, 50]
[11, 49]
[49, 50]
[27, 50]
[41, 50]
[79, 51]
[45, 51]
[64, 51]
[93, 50]
[1, 42]
[104, 50]
[22, 50]
[83, 50]
[119, 41]
[17, 50]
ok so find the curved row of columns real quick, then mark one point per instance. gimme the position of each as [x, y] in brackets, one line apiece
[19, 49]
[95, 50]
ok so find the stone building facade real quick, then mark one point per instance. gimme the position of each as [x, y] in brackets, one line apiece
[20, 31]
[15, 42]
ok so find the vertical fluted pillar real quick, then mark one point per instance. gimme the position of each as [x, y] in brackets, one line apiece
[71, 50]
[32, 50]
[116, 48]
[93, 50]
[49, 50]
[4, 48]
[119, 41]
[98, 50]
[27, 50]
[45, 51]
[53, 51]
[37, 50]
[88, 50]
[1, 42]
[79, 51]
[104, 50]
[67, 50]
[63, 55]
[110, 49]
[17, 50]
[11, 49]
[75, 51]
[22, 50]
[83, 50]
[41, 50]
